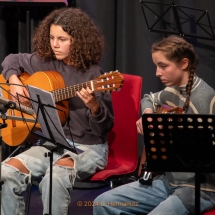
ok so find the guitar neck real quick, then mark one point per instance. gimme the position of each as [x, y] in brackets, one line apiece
[69, 92]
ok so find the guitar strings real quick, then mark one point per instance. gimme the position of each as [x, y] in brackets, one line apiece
[68, 92]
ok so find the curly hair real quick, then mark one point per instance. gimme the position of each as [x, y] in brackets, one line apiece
[175, 49]
[88, 41]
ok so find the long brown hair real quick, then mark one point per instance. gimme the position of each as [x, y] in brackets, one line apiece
[88, 41]
[175, 49]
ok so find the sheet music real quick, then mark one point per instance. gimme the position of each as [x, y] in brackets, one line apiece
[53, 120]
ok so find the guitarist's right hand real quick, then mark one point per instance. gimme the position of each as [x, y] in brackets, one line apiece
[14, 89]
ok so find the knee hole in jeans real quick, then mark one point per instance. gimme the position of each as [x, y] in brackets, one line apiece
[14, 162]
[65, 161]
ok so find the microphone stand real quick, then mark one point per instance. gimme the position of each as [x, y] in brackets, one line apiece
[4, 117]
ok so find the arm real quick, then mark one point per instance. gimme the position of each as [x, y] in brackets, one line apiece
[101, 119]
[12, 65]
[100, 111]
[148, 105]
[30, 63]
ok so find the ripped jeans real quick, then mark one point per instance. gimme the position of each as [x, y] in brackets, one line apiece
[87, 163]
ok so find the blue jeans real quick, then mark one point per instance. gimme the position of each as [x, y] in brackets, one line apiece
[92, 159]
[158, 199]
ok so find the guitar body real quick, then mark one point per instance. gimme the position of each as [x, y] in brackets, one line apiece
[17, 132]
[49, 81]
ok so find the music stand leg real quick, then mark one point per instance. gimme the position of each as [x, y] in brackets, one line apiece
[2, 125]
[50, 154]
[197, 192]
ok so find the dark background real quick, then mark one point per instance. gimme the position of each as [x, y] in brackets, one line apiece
[128, 39]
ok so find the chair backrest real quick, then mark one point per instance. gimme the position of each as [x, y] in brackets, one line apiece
[123, 139]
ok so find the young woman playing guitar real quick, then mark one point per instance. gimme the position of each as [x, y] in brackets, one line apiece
[66, 41]
[174, 192]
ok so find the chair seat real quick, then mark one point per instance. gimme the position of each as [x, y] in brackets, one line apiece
[112, 169]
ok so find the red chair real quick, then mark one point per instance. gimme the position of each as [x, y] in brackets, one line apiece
[123, 139]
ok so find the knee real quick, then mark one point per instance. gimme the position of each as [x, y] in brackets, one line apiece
[13, 179]
[61, 177]
[104, 198]
[65, 161]
[101, 204]
[14, 162]
[186, 195]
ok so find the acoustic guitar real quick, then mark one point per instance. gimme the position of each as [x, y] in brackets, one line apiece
[160, 109]
[17, 132]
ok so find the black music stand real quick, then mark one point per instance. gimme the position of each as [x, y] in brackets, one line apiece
[46, 112]
[184, 18]
[180, 143]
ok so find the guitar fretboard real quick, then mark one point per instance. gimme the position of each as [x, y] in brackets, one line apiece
[69, 92]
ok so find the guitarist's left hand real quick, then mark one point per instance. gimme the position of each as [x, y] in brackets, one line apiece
[89, 98]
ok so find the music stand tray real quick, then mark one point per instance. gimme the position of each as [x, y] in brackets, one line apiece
[180, 143]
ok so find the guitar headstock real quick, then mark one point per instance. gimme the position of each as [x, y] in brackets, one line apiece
[110, 81]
